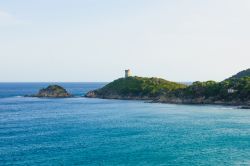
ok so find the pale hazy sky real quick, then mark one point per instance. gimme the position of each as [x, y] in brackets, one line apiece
[95, 40]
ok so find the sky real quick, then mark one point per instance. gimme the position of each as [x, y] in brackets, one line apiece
[96, 40]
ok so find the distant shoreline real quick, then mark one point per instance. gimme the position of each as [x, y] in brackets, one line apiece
[239, 105]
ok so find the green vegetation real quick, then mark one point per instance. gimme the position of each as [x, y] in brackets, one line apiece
[139, 86]
[219, 90]
[235, 90]
[53, 91]
[244, 73]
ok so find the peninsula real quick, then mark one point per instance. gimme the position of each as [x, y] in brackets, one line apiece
[232, 91]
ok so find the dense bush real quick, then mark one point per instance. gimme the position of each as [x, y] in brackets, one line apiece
[140, 86]
[219, 90]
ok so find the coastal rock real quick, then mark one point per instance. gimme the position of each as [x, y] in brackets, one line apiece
[91, 94]
[53, 91]
[244, 107]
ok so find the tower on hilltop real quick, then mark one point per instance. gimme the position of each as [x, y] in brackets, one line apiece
[127, 73]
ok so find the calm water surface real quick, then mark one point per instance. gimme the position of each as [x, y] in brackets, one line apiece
[81, 131]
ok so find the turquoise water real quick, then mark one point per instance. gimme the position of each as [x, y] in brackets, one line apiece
[81, 131]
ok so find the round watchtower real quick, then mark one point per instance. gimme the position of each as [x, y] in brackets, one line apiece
[127, 73]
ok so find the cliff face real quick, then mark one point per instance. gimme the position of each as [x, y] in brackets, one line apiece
[53, 91]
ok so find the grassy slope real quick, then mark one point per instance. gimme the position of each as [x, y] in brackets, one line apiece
[140, 86]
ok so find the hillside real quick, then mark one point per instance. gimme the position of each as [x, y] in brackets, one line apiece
[216, 92]
[136, 87]
[233, 91]
[244, 73]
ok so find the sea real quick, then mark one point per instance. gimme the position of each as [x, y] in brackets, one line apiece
[84, 131]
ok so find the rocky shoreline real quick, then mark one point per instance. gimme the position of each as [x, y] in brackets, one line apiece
[164, 100]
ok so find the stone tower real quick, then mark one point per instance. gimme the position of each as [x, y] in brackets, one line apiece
[127, 73]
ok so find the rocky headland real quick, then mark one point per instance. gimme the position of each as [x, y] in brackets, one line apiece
[232, 91]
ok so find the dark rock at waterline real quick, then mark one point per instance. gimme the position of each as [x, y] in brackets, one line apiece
[52, 91]
[244, 107]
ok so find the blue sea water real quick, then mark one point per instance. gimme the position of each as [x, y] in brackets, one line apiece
[82, 131]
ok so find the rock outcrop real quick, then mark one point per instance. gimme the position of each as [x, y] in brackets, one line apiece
[53, 91]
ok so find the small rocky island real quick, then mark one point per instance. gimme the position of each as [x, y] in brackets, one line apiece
[232, 91]
[52, 91]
